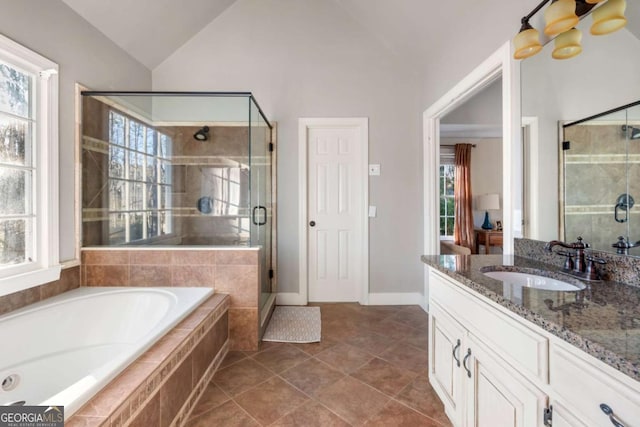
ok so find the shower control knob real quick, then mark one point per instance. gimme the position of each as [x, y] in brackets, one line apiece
[312, 223]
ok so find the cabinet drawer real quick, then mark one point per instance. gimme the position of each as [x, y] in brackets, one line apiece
[523, 348]
[586, 382]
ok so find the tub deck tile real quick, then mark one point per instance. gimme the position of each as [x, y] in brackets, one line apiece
[161, 377]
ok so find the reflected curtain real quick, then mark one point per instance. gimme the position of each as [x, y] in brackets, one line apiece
[463, 226]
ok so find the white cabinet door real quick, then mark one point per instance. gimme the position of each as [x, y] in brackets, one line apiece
[446, 338]
[496, 394]
[563, 417]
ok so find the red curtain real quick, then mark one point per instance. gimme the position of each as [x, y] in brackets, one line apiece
[463, 227]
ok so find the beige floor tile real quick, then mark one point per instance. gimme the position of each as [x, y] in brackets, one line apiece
[336, 382]
[311, 375]
[227, 415]
[241, 376]
[271, 400]
[279, 358]
[398, 415]
[311, 414]
[231, 358]
[352, 400]
[384, 377]
[344, 357]
[212, 397]
[407, 357]
[420, 396]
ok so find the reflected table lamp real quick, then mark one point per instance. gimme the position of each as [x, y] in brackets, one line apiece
[488, 202]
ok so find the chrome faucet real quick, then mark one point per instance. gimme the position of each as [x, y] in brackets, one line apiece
[584, 265]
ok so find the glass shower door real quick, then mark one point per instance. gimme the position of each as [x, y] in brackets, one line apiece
[261, 203]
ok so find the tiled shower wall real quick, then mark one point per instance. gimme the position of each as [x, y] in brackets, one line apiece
[596, 171]
[231, 271]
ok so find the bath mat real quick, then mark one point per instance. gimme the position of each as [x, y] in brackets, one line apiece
[294, 324]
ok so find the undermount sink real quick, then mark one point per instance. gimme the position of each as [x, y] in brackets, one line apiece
[529, 279]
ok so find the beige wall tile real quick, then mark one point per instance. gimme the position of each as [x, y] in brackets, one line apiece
[240, 282]
[106, 257]
[175, 391]
[151, 257]
[243, 329]
[149, 275]
[69, 279]
[193, 275]
[205, 257]
[19, 299]
[237, 257]
[107, 275]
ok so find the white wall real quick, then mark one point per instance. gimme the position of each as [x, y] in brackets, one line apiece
[308, 58]
[484, 108]
[85, 56]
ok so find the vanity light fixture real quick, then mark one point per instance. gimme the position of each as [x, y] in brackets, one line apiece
[527, 42]
[561, 17]
[567, 44]
[609, 17]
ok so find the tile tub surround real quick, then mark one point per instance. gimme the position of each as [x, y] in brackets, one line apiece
[161, 387]
[600, 320]
[69, 279]
[619, 268]
[233, 271]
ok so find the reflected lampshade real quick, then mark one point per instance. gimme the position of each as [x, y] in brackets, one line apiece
[527, 42]
[594, 1]
[567, 44]
[560, 16]
[609, 17]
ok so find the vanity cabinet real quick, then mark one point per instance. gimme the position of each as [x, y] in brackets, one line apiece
[491, 368]
[475, 384]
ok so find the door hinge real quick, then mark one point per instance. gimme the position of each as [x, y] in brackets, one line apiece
[271, 274]
[566, 145]
[271, 147]
[547, 415]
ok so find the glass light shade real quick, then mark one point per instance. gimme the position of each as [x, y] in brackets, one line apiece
[567, 44]
[609, 17]
[526, 43]
[560, 17]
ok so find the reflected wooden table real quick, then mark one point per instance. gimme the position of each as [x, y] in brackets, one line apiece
[487, 238]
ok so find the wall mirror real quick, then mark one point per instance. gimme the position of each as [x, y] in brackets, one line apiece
[600, 166]
[555, 93]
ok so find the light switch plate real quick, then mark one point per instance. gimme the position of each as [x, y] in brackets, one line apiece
[373, 211]
[374, 170]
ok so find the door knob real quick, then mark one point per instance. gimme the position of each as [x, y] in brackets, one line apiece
[312, 223]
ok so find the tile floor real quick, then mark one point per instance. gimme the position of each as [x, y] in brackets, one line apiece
[370, 369]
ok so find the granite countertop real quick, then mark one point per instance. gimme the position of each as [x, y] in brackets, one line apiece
[603, 319]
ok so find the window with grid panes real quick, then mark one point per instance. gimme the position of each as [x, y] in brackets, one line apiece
[139, 181]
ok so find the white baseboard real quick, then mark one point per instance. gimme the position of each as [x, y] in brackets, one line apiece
[383, 298]
[397, 298]
[290, 298]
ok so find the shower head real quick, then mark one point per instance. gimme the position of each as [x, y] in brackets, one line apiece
[202, 134]
[634, 133]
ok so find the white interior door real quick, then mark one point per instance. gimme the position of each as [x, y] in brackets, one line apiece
[336, 211]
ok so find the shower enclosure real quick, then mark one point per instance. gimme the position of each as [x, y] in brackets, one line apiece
[177, 169]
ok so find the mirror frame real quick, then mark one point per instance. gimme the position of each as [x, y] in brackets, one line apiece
[499, 64]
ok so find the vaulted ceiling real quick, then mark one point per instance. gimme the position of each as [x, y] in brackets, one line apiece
[151, 30]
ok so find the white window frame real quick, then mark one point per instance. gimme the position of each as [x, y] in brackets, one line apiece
[45, 265]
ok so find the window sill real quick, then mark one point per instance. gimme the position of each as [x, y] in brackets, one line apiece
[30, 279]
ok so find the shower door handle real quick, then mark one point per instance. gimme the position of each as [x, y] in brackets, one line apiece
[254, 217]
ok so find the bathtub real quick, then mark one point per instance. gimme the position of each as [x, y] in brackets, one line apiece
[63, 350]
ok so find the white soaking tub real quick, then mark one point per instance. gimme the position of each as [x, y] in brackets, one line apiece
[63, 350]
